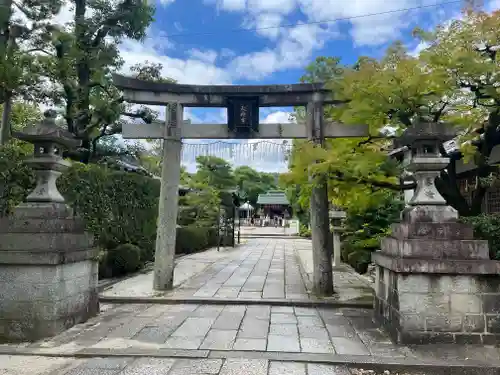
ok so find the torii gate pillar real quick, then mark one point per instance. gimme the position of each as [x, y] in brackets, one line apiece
[168, 203]
[320, 228]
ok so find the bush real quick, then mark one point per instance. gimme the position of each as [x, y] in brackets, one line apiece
[365, 228]
[123, 259]
[118, 207]
[191, 239]
[487, 227]
[16, 178]
[304, 231]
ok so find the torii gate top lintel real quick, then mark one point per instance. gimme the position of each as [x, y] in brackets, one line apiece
[146, 92]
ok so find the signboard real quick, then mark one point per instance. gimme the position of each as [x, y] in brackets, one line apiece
[243, 116]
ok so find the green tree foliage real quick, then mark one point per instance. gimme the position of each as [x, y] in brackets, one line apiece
[24, 27]
[466, 54]
[251, 183]
[214, 172]
[85, 53]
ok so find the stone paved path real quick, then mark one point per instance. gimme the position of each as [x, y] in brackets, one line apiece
[229, 335]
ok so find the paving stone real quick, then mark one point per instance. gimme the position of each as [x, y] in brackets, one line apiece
[279, 343]
[258, 312]
[283, 319]
[196, 367]
[205, 292]
[153, 311]
[245, 367]
[127, 330]
[194, 327]
[176, 342]
[219, 339]
[316, 345]
[228, 292]
[155, 334]
[229, 320]
[287, 368]
[316, 332]
[283, 329]
[235, 309]
[311, 321]
[341, 331]
[250, 295]
[354, 346]
[250, 344]
[317, 369]
[254, 328]
[149, 366]
[183, 308]
[282, 309]
[305, 311]
[207, 311]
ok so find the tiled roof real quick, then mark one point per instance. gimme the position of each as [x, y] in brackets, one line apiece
[273, 197]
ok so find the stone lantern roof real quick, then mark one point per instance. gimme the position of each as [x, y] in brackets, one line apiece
[47, 131]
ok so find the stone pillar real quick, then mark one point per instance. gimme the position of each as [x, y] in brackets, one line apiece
[48, 263]
[322, 249]
[166, 233]
[336, 217]
[434, 282]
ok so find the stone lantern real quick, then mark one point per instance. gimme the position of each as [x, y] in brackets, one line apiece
[433, 279]
[49, 143]
[426, 163]
[54, 259]
[336, 217]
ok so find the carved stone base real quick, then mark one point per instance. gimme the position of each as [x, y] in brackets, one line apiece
[48, 272]
[435, 283]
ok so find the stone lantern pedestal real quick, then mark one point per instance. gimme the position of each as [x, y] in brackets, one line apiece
[336, 218]
[434, 281]
[48, 266]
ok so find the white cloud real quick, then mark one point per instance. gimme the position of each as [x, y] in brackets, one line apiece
[166, 2]
[190, 71]
[280, 117]
[208, 56]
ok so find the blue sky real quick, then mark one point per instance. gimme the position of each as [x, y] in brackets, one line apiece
[201, 42]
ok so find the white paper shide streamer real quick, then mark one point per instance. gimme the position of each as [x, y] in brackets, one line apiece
[239, 152]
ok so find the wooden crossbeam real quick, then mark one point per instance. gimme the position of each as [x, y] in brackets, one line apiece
[156, 130]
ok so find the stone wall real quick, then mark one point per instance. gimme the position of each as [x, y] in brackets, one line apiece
[435, 283]
[48, 272]
[444, 308]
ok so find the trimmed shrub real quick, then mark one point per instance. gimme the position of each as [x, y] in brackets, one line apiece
[364, 228]
[304, 231]
[487, 227]
[192, 239]
[123, 259]
[118, 207]
[16, 178]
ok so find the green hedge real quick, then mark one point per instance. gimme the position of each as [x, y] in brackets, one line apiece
[192, 239]
[487, 227]
[120, 208]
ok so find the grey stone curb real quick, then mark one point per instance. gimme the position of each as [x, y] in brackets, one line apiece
[237, 301]
[427, 367]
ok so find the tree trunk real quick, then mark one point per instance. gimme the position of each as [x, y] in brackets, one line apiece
[5, 127]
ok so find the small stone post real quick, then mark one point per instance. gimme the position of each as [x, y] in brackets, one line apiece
[434, 282]
[48, 263]
[336, 217]
[168, 206]
[322, 249]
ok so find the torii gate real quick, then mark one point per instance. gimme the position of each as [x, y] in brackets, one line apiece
[242, 103]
